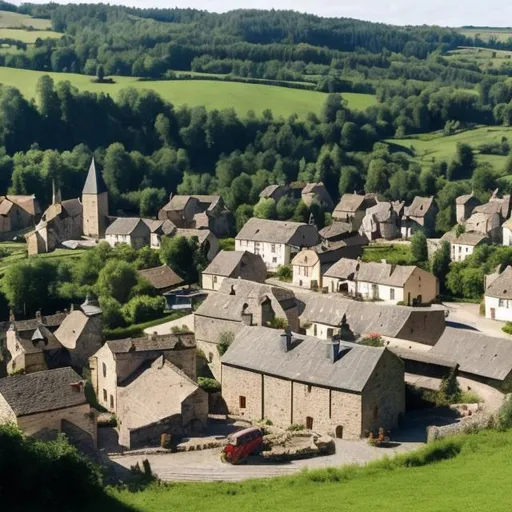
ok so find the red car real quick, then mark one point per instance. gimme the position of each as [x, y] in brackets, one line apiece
[242, 444]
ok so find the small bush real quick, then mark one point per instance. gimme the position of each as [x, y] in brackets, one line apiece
[143, 309]
[225, 340]
[209, 385]
[284, 273]
[507, 328]
[278, 323]
[296, 427]
[372, 340]
[503, 418]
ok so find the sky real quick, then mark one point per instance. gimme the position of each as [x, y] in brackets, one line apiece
[454, 13]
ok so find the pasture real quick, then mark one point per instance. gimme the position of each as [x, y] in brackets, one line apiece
[27, 36]
[15, 20]
[427, 147]
[501, 34]
[242, 97]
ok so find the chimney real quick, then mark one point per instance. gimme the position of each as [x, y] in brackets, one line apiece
[286, 340]
[78, 386]
[39, 318]
[333, 350]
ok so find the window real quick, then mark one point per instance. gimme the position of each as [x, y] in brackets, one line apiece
[274, 260]
[242, 402]
[210, 357]
[309, 422]
[111, 401]
[467, 249]
[314, 330]
[309, 388]
[273, 248]
[501, 303]
[104, 366]
[105, 396]
[392, 294]
[214, 279]
[460, 248]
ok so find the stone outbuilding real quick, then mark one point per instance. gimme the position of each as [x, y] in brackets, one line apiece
[48, 401]
[352, 208]
[275, 192]
[335, 387]
[316, 192]
[18, 212]
[237, 303]
[115, 362]
[163, 278]
[133, 231]
[159, 399]
[382, 221]
[306, 269]
[464, 206]
[420, 215]
[234, 264]
[323, 316]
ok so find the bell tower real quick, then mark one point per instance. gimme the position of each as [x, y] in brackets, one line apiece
[95, 203]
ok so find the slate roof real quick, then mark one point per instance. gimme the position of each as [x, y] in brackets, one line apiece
[336, 229]
[72, 207]
[94, 183]
[32, 323]
[259, 349]
[469, 238]
[476, 353]
[464, 198]
[5, 207]
[42, 391]
[125, 226]
[307, 258]
[177, 203]
[163, 227]
[71, 329]
[362, 317]
[201, 234]
[91, 306]
[225, 263]
[382, 211]
[152, 342]
[422, 356]
[161, 277]
[27, 203]
[269, 191]
[419, 207]
[343, 269]
[501, 287]
[283, 232]
[350, 203]
[208, 201]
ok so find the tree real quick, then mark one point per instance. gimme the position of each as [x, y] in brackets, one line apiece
[285, 208]
[116, 279]
[100, 72]
[111, 312]
[265, 209]
[472, 283]
[350, 180]
[376, 179]
[151, 200]
[243, 213]
[441, 263]
[419, 248]
[143, 309]
[184, 256]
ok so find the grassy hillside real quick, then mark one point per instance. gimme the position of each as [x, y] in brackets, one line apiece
[242, 97]
[441, 147]
[472, 480]
[15, 20]
[501, 34]
[27, 36]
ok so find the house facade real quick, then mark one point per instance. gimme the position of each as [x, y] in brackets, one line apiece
[419, 216]
[464, 245]
[352, 208]
[133, 231]
[18, 212]
[464, 206]
[498, 295]
[275, 241]
[306, 269]
[339, 388]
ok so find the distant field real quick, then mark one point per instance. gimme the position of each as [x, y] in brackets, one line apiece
[242, 97]
[482, 56]
[502, 34]
[13, 19]
[427, 147]
[27, 36]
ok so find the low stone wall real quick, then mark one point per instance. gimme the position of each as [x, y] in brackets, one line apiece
[465, 426]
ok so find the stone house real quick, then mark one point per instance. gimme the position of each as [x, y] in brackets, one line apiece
[275, 241]
[339, 388]
[306, 269]
[159, 399]
[487, 359]
[464, 206]
[419, 216]
[349, 247]
[26, 328]
[382, 281]
[498, 295]
[48, 401]
[382, 221]
[180, 210]
[95, 204]
[352, 208]
[486, 222]
[117, 360]
[18, 212]
[275, 192]
[81, 333]
[463, 245]
[160, 229]
[238, 303]
[317, 192]
[324, 314]
[234, 264]
[133, 231]
[163, 278]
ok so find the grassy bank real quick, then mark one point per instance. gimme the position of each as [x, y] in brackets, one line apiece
[242, 97]
[470, 474]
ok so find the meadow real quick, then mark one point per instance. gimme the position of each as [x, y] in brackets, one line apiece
[502, 34]
[27, 36]
[428, 147]
[472, 474]
[14, 20]
[242, 97]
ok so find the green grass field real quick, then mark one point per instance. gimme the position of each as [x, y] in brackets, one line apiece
[15, 20]
[242, 97]
[27, 36]
[502, 34]
[399, 254]
[476, 479]
[442, 147]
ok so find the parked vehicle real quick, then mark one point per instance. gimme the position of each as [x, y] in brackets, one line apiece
[242, 444]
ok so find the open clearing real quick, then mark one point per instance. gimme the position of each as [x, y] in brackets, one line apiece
[14, 20]
[502, 34]
[242, 97]
[27, 36]
[429, 146]
[476, 479]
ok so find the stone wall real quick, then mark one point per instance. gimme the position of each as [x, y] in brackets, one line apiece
[6, 413]
[88, 343]
[150, 435]
[237, 383]
[277, 400]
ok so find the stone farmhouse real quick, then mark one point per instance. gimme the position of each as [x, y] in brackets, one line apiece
[382, 281]
[133, 231]
[484, 358]
[498, 295]
[117, 360]
[234, 264]
[163, 278]
[275, 241]
[235, 304]
[160, 229]
[306, 269]
[323, 316]
[463, 245]
[352, 208]
[159, 399]
[18, 212]
[382, 220]
[419, 216]
[334, 387]
[464, 206]
[49, 401]
[317, 192]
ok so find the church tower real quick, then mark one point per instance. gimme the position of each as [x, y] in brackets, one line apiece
[95, 203]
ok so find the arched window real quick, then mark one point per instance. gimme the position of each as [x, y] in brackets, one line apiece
[104, 366]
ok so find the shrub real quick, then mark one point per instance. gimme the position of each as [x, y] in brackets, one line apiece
[278, 323]
[209, 385]
[284, 273]
[296, 427]
[372, 340]
[143, 309]
[225, 339]
[507, 328]
[503, 419]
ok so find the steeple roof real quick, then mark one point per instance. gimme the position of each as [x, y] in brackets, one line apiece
[94, 183]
